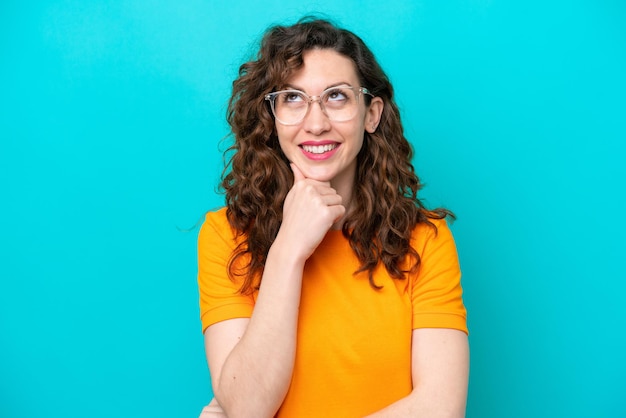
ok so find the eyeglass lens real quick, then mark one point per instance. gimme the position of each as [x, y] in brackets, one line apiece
[339, 104]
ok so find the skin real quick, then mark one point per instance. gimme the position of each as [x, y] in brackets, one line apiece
[252, 359]
[322, 69]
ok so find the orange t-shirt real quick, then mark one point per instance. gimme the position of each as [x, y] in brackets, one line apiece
[353, 352]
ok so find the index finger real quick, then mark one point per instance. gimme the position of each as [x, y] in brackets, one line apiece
[297, 174]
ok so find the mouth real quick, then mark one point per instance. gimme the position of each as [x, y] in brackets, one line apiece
[319, 149]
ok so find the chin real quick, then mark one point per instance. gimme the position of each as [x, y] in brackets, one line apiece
[319, 175]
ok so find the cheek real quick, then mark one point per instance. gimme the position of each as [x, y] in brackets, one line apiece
[285, 138]
[282, 146]
[358, 134]
[360, 144]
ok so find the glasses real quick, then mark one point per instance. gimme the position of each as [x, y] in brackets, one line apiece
[339, 104]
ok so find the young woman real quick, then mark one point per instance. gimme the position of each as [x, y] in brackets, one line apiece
[326, 287]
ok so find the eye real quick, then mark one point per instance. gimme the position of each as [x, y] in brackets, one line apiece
[336, 95]
[292, 97]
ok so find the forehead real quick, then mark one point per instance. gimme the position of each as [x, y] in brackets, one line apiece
[323, 68]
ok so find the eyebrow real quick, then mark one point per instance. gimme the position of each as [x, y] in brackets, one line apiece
[341, 83]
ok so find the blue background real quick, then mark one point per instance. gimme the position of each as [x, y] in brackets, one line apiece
[111, 116]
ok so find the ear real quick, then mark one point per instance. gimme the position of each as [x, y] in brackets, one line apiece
[373, 114]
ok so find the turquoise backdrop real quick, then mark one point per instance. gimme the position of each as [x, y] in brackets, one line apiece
[111, 115]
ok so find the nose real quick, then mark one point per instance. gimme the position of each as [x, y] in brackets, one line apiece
[316, 121]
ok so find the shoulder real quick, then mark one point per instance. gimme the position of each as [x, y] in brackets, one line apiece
[216, 230]
[216, 219]
[436, 289]
[425, 234]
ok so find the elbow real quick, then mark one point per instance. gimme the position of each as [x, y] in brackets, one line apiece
[231, 406]
[225, 401]
[236, 405]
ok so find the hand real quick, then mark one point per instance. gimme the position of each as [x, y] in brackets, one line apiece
[310, 210]
[212, 410]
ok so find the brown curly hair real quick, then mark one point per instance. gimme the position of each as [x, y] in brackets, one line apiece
[257, 177]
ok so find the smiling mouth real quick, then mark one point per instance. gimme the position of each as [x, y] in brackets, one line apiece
[319, 149]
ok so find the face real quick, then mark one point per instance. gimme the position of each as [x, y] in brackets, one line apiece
[322, 149]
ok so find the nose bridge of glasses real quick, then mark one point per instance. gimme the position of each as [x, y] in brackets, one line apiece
[317, 99]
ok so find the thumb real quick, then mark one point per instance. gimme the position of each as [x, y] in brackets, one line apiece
[297, 174]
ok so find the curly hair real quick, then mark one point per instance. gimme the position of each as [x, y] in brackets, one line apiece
[257, 177]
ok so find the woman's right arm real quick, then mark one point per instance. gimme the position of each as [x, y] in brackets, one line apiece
[251, 360]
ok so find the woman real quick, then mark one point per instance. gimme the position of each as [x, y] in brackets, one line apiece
[326, 287]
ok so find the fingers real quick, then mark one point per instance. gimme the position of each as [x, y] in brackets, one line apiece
[315, 187]
[338, 211]
[212, 410]
[297, 174]
[329, 198]
[315, 195]
[309, 211]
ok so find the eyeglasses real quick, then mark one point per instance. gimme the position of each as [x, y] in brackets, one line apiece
[339, 104]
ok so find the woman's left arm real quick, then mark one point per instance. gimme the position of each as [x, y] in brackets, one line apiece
[440, 370]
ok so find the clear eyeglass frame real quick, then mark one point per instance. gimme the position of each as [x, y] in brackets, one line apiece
[358, 91]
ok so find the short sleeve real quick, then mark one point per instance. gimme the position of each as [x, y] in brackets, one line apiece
[220, 298]
[436, 293]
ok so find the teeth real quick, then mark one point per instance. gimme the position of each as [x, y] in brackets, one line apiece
[319, 149]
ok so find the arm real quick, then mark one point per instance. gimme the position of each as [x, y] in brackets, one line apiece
[251, 360]
[212, 410]
[440, 371]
